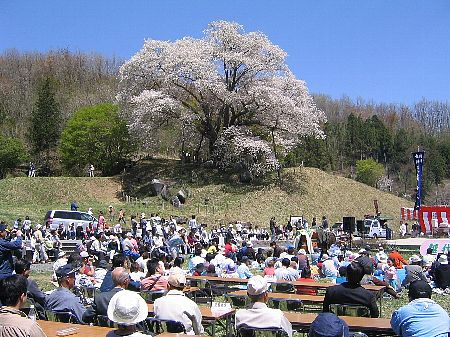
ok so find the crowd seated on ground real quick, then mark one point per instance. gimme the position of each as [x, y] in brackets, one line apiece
[158, 258]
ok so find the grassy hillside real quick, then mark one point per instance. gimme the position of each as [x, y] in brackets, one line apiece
[307, 191]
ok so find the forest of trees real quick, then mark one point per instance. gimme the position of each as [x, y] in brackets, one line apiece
[355, 130]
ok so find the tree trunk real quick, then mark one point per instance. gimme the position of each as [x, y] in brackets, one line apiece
[276, 157]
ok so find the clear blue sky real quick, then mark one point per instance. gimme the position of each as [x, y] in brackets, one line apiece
[387, 51]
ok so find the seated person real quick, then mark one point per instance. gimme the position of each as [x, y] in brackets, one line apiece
[119, 260]
[154, 280]
[13, 296]
[177, 307]
[282, 273]
[329, 268]
[121, 279]
[243, 270]
[136, 272]
[269, 271]
[306, 277]
[442, 273]
[414, 271]
[199, 270]
[127, 309]
[62, 299]
[329, 325]
[22, 267]
[351, 292]
[211, 271]
[178, 266]
[259, 315]
[421, 316]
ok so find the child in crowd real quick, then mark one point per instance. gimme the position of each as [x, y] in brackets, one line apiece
[269, 271]
[390, 274]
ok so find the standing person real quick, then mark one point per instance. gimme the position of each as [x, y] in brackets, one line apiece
[91, 170]
[26, 227]
[112, 213]
[74, 206]
[325, 222]
[6, 251]
[421, 316]
[37, 240]
[122, 217]
[193, 224]
[101, 222]
[14, 322]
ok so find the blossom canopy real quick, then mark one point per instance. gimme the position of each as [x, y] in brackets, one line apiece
[228, 78]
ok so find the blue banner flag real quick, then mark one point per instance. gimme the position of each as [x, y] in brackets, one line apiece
[418, 162]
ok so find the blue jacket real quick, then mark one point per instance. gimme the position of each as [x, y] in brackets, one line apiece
[108, 285]
[6, 260]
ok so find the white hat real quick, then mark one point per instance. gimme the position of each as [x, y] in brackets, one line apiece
[127, 308]
[177, 280]
[325, 257]
[302, 252]
[230, 225]
[61, 253]
[414, 258]
[257, 285]
[142, 215]
[38, 226]
[362, 251]
[84, 254]
[110, 206]
[249, 244]
[443, 259]
[129, 234]
[383, 258]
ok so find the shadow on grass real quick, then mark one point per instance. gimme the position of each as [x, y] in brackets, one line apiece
[293, 182]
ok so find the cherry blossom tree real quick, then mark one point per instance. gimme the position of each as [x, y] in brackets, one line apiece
[228, 78]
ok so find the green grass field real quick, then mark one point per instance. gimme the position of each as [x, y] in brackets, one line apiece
[388, 305]
[305, 191]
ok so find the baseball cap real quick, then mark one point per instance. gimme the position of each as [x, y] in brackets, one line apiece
[257, 285]
[414, 258]
[419, 289]
[64, 271]
[328, 324]
[177, 280]
[443, 259]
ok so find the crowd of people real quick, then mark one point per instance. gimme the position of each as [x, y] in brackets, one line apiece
[157, 255]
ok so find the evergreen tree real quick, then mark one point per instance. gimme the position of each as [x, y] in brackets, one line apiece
[45, 128]
[45, 120]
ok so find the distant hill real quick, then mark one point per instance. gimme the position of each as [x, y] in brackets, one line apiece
[306, 191]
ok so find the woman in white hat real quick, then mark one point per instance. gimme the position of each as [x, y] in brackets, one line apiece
[127, 309]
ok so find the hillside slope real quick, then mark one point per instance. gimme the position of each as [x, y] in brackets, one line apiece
[307, 191]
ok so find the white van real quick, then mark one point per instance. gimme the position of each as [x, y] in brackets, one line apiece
[54, 218]
[375, 229]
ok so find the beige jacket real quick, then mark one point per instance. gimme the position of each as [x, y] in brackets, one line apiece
[14, 323]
